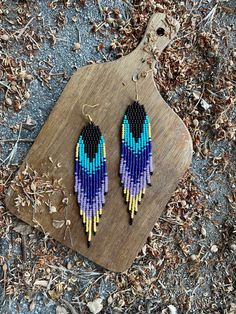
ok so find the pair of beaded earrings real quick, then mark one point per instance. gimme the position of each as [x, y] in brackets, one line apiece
[91, 179]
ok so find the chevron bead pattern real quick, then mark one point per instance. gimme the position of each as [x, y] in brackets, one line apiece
[91, 181]
[136, 156]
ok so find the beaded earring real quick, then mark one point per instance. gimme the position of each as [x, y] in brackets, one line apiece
[136, 155]
[91, 180]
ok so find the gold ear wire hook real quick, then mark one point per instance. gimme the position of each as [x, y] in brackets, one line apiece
[86, 114]
[136, 83]
[136, 90]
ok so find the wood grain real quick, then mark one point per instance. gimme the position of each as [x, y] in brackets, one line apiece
[116, 243]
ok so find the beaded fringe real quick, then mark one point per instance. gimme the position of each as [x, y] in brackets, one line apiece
[91, 181]
[136, 156]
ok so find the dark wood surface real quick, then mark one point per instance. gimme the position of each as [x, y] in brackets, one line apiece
[116, 243]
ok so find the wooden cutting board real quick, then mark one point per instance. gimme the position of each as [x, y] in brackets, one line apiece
[111, 84]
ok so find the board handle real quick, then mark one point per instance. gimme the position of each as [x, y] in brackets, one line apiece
[161, 29]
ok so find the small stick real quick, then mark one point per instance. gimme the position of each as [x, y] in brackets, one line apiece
[210, 16]
[26, 140]
[23, 242]
[4, 269]
[5, 85]
[13, 152]
[100, 25]
[70, 307]
[21, 32]
[90, 286]
[32, 39]
[79, 36]
[100, 7]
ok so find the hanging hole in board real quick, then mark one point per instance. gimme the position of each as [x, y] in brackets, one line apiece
[160, 31]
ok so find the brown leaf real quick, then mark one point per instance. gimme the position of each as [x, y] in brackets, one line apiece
[95, 306]
[23, 228]
[58, 223]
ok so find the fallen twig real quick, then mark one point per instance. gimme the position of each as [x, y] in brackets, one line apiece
[13, 152]
[21, 140]
[70, 307]
[21, 32]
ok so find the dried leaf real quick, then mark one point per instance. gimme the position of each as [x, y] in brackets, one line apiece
[58, 223]
[32, 305]
[61, 310]
[95, 306]
[214, 248]
[204, 104]
[110, 299]
[172, 309]
[33, 186]
[203, 231]
[41, 283]
[23, 228]
[196, 94]
[29, 124]
[232, 308]
[52, 209]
